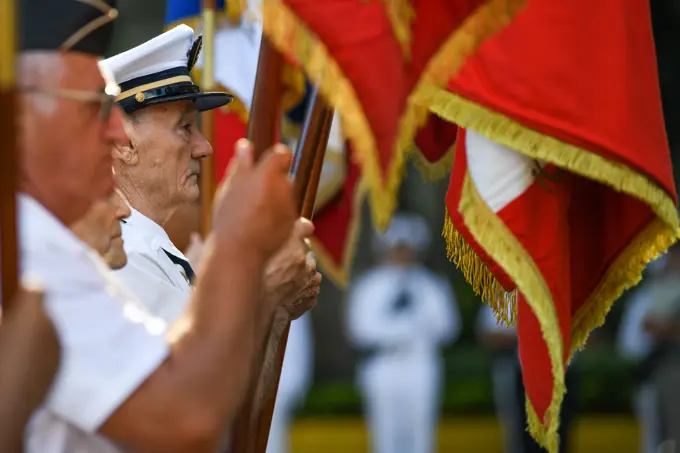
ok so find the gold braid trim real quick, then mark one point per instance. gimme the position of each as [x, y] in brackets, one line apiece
[401, 15]
[486, 20]
[478, 275]
[339, 273]
[626, 270]
[431, 171]
[292, 37]
[502, 246]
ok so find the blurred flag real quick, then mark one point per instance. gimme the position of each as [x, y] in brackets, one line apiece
[370, 58]
[562, 184]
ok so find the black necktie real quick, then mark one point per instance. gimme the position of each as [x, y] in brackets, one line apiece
[188, 271]
[403, 302]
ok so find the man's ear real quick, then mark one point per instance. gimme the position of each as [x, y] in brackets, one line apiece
[126, 154]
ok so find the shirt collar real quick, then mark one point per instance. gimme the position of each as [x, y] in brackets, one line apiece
[157, 235]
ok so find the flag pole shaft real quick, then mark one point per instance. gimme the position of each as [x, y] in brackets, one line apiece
[207, 181]
[262, 130]
[9, 260]
[310, 152]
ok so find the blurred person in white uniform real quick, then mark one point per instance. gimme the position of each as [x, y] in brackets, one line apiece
[127, 381]
[400, 315]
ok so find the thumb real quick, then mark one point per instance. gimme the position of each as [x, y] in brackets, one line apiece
[243, 160]
[304, 228]
[243, 156]
[195, 238]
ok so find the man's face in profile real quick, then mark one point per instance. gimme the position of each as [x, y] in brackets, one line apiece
[100, 228]
[166, 148]
[67, 132]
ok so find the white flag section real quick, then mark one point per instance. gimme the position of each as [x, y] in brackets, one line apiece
[237, 48]
[500, 174]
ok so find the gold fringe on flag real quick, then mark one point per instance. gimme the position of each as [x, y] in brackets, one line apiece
[626, 270]
[478, 275]
[491, 17]
[401, 15]
[292, 37]
[504, 248]
[431, 171]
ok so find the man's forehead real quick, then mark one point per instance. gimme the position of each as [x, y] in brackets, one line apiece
[170, 110]
[81, 71]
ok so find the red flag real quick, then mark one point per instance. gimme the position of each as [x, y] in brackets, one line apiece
[363, 68]
[562, 182]
[432, 150]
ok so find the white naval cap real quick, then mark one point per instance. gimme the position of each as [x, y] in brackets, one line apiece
[158, 71]
[405, 229]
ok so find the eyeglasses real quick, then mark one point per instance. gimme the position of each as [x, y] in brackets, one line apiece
[106, 101]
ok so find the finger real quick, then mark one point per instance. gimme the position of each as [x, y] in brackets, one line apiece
[243, 159]
[195, 238]
[311, 262]
[303, 228]
[311, 259]
[278, 159]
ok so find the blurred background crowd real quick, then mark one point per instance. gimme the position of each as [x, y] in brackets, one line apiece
[441, 360]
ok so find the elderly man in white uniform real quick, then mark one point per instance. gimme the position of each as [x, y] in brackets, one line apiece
[127, 381]
[158, 169]
[402, 313]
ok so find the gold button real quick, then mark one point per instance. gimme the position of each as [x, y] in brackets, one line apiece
[140, 97]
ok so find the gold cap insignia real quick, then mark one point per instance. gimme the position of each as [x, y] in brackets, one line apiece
[194, 51]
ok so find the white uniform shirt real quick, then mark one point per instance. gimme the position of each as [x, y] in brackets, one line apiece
[150, 274]
[433, 322]
[110, 345]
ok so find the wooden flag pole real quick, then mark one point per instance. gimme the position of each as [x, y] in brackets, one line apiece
[251, 430]
[208, 185]
[9, 260]
[310, 154]
[262, 133]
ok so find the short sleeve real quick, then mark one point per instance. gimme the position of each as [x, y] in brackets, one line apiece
[109, 348]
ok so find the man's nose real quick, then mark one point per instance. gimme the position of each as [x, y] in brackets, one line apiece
[124, 212]
[115, 130]
[202, 149]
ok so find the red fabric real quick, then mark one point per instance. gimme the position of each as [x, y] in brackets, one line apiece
[369, 56]
[435, 21]
[569, 71]
[436, 138]
[372, 59]
[229, 128]
[333, 223]
[573, 72]
[453, 196]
